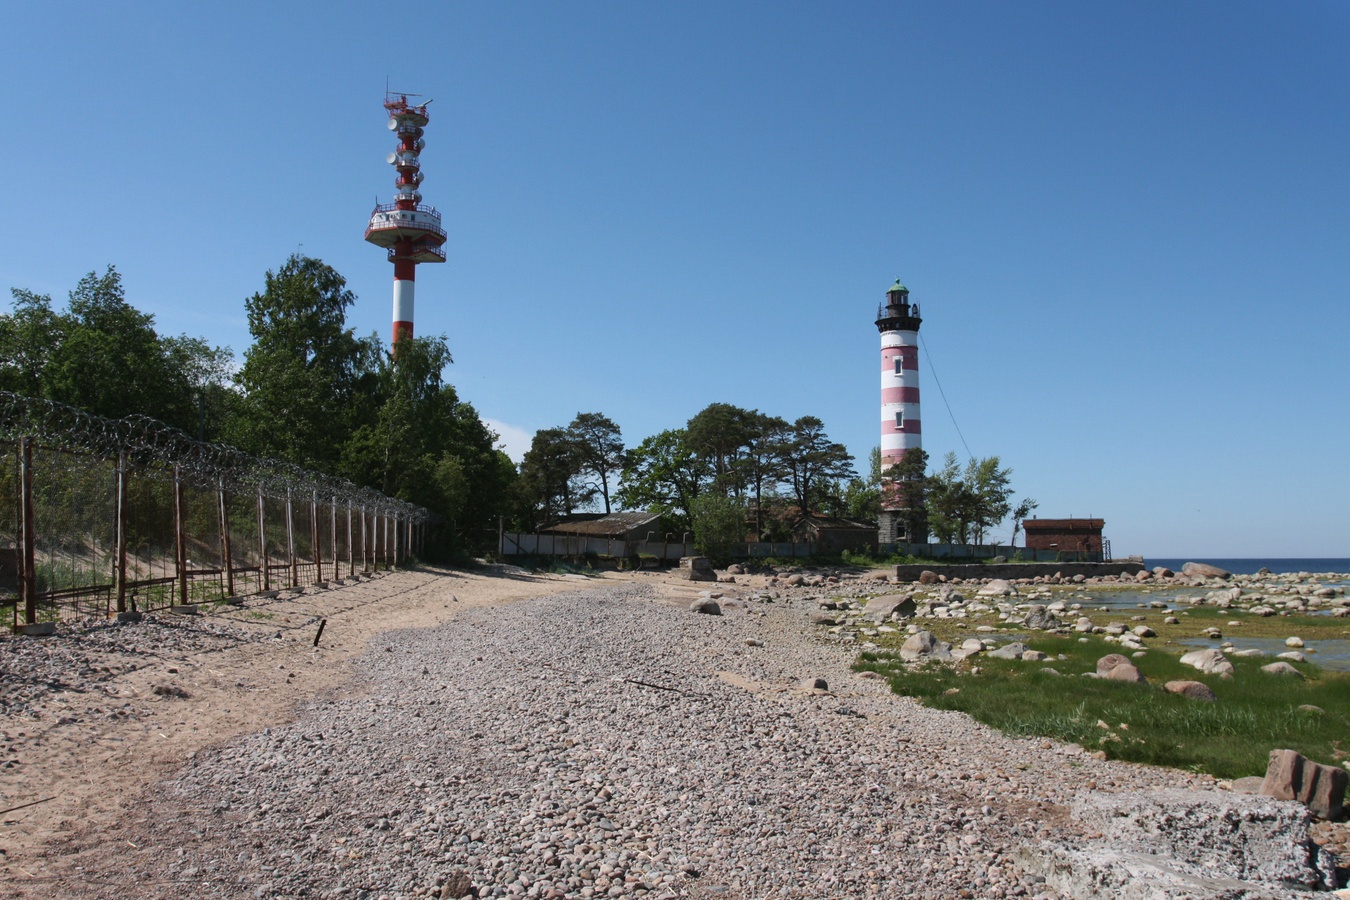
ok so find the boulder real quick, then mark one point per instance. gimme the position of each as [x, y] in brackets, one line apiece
[1039, 618]
[1009, 651]
[822, 619]
[997, 587]
[1292, 776]
[1204, 845]
[1204, 570]
[922, 645]
[696, 568]
[1083, 625]
[795, 580]
[928, 576]
[1163, 572]
[1282, 668]
[1125, 672]
[735, 569]
[1192, 690]
[1144, 631]
[890, 605]
[1293, 642]
[707, 606]
[1109, 662]
[1033, 656]
[1211, 662]
[815, 684]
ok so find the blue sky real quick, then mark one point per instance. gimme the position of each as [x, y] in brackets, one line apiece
[1127, 224]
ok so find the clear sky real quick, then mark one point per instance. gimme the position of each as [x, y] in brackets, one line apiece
[1127, 224]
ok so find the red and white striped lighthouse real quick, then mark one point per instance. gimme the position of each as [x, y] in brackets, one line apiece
[901, 431]
[410, 231]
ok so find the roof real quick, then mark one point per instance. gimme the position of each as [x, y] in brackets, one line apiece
[897, 287]
[1061, 524]
[819, 520]
[601, 524]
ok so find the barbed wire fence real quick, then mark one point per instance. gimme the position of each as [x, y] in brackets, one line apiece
[104, 516]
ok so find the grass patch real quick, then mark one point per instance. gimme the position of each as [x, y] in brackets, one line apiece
[1142, 723]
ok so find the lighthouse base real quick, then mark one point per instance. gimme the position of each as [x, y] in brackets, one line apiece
[902, 526]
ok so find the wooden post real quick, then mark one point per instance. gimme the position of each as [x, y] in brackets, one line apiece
[394, 560]
[227, 556]
[315, 543]
[28, 533]
[180, 533]
[385, 548]
[122, 517]
[290, 542]
[262, 543]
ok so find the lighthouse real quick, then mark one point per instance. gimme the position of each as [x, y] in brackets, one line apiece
[410, 232]
[901, 431]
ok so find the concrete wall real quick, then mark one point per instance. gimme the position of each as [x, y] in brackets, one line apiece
[1020, 570]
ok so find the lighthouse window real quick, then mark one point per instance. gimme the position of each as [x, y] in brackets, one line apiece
[899, 365]
[900, 420]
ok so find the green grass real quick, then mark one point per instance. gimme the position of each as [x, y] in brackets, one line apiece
[1142, 723]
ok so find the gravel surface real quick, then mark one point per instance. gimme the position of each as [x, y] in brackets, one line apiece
[605, 743]
[95, 650]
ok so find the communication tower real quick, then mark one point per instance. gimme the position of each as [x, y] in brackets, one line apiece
[410, 231]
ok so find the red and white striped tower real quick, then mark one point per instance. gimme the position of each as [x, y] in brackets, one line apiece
[898, 321]
[411, 232]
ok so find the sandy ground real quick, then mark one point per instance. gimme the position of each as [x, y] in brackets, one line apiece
[81, 772]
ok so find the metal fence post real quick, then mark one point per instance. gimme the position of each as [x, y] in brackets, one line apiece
[290, 542]
[121, 538]
[180, 533]
[227, 557]
[351, 557]
[262, 542]
[332, 535]
[27, 533]
[314, 541]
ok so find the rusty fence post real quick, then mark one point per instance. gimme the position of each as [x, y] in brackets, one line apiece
[290, 542]
[262, 543]
[121, 534]
[316, 544]
[226, 551]
[351, 557]
[332, 537]
[180, 533]
[27, 533]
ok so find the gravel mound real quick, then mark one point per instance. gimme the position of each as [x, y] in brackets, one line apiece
[603, 743]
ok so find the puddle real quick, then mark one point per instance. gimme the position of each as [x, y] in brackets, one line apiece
[1334, 656]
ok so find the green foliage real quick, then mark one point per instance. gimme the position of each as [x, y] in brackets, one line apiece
[1142, 723]
[104, 356]
[665, 475]
[811, 461]
[599, 449]
[551, 484]
[307, 381]
[718, 524]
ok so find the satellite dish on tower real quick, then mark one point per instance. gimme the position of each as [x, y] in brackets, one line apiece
[393, 124]
[391, 158]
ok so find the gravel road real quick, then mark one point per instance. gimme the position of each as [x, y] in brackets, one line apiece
[606, 742]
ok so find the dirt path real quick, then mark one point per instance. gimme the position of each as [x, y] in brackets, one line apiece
[92, 749]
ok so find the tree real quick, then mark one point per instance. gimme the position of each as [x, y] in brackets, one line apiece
[663, 474]
[719, 433]
[949, 502]
[719, 525]
[29, 337]
[307, 381]
[599, 448]
[810, 459]
[1019, 514]
[907, 484]
[760, 464]
[550, 479]
[990, 491]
